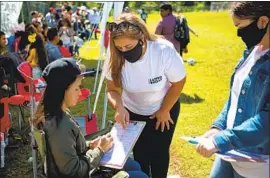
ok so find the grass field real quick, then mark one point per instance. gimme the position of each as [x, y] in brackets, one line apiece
[216, 52]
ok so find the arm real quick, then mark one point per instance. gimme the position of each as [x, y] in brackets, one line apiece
[174, 71]
[221, 121]
[172, 95]
[176, 75]
[250, 133]
[57, 54]
[114, 95]
[159, 28]
[192, 31]
[16, 47]
[63, 146]
[61, 30]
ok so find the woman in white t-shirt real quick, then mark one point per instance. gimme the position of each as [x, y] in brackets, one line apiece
[243, 124]
[145, 78]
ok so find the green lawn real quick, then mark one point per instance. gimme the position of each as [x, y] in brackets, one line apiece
[216, 52]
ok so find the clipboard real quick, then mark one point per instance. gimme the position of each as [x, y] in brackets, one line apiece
[124, 141]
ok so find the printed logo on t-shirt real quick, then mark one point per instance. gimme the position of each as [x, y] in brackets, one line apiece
[155, 80]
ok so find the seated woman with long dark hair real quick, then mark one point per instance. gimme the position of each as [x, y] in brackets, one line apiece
[36, 53]
[67, 152]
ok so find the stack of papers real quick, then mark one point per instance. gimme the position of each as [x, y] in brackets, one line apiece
[233, 155]
[124, 141]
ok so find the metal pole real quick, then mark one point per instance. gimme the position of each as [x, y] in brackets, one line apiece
[32, 105]
[105, 105]
[96, 78]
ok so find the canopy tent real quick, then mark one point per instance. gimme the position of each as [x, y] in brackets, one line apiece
[10, 12]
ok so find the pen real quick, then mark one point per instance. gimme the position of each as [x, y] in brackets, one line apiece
[192, 140]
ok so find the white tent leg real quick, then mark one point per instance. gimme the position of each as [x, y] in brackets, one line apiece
[32, 105]
[105, 105]
[96, 77]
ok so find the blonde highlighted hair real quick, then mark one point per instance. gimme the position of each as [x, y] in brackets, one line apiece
[116, 60]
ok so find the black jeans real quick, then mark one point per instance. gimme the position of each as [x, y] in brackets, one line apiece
[153, 146]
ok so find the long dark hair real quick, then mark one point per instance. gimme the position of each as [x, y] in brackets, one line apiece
[38, 45]
[50, 106]
[251, 9]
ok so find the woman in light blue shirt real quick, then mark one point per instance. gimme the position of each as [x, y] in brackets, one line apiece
[243, 123]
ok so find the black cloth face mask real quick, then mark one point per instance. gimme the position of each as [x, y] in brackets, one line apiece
[251, 34]
[134, 54]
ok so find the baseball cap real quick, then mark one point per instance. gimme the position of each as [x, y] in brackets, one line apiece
[62, 72]
[51, 9]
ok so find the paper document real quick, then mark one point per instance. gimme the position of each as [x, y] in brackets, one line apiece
[124, 141]
[240, 156]
[233, 155]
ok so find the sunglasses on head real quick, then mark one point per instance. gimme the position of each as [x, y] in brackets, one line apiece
[123, 26]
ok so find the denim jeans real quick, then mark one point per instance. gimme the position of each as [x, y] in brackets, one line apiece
[223, 169]
[133, 169]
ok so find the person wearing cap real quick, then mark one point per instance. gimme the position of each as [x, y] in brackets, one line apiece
[50, 18]
[68, 155]
[145, 76]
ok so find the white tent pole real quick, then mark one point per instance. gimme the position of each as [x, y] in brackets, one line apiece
[96, 77]
[106, 10]
[32, 105]
[104, 114]
[118, 7]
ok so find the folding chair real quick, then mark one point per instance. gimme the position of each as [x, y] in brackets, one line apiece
[39, 136]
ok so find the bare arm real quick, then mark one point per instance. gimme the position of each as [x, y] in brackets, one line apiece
[114, 97]
[172, 95]
[192, 31]
[158, 30]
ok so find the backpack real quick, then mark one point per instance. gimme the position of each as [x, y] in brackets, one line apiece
[181, 31]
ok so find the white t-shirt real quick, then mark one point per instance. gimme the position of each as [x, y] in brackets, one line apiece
[146, 82]
[94, 17]
[246, 169]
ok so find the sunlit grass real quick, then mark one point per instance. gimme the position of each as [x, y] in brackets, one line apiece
[216, 52]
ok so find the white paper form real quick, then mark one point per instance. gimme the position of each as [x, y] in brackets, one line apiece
[124, 141]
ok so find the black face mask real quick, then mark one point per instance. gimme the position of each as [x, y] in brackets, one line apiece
[251, 35]
[134, 54]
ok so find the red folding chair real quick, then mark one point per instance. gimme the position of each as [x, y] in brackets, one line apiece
[23, 88]
[88, 123]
